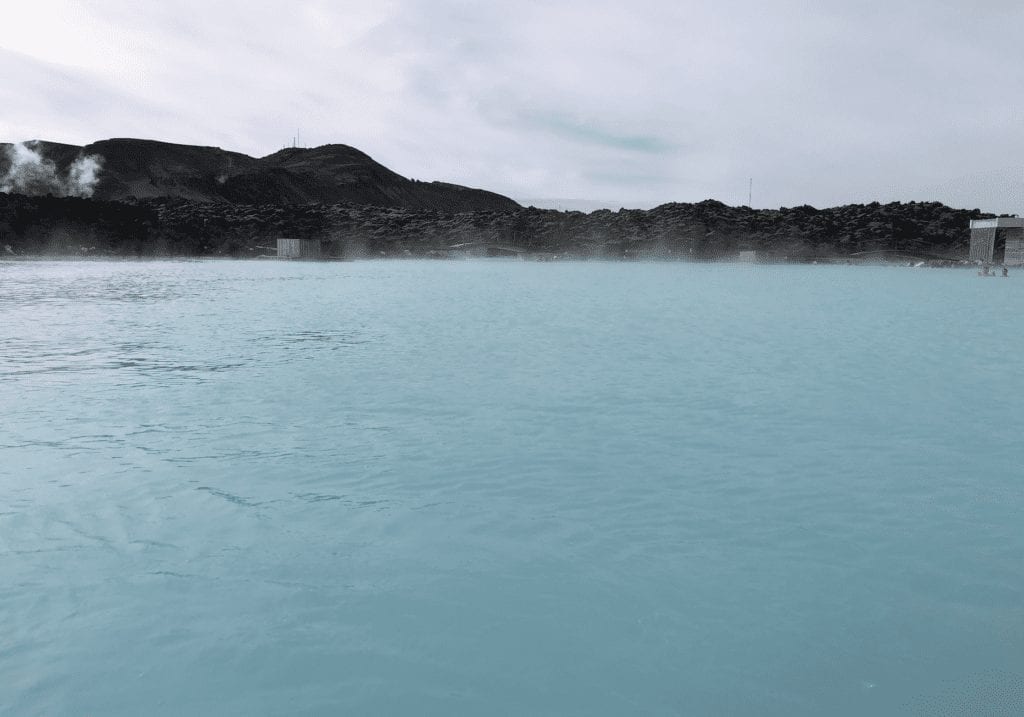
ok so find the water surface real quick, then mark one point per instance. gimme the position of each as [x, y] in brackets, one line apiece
[244, 488]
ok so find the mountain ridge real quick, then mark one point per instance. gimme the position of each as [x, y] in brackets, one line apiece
[130, 168]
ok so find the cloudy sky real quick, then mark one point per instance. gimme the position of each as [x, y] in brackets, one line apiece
[627, 103]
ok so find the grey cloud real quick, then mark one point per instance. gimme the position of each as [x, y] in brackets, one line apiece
[821, 103]
[44, 100]
[591, 134]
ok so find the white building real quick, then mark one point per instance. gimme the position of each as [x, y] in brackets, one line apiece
[998, 241]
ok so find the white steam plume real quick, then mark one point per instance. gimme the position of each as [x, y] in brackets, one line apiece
[31, 173]
[83, 174]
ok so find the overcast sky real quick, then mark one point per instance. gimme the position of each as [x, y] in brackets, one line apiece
[630, 103]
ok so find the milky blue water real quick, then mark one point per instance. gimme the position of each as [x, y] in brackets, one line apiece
[499, 488]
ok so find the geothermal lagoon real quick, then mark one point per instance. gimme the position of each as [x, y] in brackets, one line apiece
[494, 487]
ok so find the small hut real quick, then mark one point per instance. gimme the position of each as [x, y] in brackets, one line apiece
[998, 241]
[748, 256]
[298, 248]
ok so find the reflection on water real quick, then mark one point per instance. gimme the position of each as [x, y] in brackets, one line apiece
[384, 488]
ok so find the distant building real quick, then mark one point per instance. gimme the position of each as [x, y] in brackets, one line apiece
[998, 241]
[302, 248]
[750, 257]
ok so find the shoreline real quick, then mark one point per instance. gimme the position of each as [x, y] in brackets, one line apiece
[524, 259]
[705, 231]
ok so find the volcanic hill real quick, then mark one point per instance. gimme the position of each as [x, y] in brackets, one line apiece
[330, 174]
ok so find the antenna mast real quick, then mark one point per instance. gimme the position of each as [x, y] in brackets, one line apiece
[750, 193]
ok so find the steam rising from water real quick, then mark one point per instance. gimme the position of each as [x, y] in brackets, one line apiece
[31, 173]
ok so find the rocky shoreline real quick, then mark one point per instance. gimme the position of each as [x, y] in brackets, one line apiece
[706, 231]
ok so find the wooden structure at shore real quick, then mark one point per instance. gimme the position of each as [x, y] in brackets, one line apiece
[307, 249]
[998, 241]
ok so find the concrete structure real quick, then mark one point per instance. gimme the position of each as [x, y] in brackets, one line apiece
[302, 248]
[998, 241]
[749, 257]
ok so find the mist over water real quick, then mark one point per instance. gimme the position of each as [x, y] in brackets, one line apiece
[245, 488]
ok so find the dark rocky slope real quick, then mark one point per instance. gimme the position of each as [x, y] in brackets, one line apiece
[335, 173]
[704, 231]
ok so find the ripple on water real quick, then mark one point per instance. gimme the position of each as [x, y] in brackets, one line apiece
[390, 488]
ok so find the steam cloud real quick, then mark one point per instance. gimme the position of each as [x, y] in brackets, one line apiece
[31, 173]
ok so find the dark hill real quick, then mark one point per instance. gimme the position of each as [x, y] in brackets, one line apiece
[330, 174]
